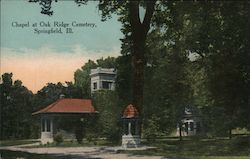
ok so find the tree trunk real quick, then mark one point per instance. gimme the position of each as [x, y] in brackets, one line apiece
[139, 32]
[230, 133]
[138, 61]
[180, 135]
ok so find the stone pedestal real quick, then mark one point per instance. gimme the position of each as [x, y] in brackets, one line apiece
[131, 128]
[46, 137]
[47, 129]
[131, 141]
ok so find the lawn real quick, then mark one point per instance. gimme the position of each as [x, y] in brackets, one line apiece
[16, 142]
[236, 148]
[189, 148]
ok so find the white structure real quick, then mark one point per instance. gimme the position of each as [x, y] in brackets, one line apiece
[62, 108]
[102, 78]
[191, 123]
[47, 129]
[131, 135]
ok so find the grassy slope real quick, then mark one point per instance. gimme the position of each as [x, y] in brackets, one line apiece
[200, 148]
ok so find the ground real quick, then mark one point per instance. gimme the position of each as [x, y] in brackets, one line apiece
[92, 152]
[168, 148]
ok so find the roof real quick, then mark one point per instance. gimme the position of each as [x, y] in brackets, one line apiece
[191, 111]
[69, 106]
[99, 70]
[130, 112]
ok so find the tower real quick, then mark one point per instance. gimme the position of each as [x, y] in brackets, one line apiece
[102, 78]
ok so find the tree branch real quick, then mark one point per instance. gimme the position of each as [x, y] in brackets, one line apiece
[150, 8]
[134, 14]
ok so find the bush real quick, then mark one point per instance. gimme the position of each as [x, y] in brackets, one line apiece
[91, 137]
[151, 130]
[58, 138]
[79, 131]
[241, 142]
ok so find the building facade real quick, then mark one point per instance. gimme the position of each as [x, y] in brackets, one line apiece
[102, 78]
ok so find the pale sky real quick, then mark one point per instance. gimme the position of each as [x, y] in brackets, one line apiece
[39, 59]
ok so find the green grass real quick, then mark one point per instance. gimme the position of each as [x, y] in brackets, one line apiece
[15, 142]
[189, 148]
[238, 148]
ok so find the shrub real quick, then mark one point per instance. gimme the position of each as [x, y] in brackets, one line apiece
[79, 132]
[242, 142]
[151, 130]
[58, 138]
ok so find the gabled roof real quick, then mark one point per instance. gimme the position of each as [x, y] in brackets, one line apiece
[69, 106]
[130, 112]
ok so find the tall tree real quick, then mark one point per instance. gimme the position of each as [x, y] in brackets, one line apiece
[139, 29]
[16, 109]
[219, 34]
[82, 78]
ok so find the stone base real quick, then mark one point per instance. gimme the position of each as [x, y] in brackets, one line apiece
[131, 141]
[46, 137]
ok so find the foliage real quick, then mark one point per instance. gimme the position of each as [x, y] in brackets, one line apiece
[16, 109]
[82, 78]
[58, 138]
[181, 54]
[79, 132]
[106, 103]
[222, 48]
[151, 129]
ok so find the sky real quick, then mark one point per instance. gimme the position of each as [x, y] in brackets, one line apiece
[37, 59]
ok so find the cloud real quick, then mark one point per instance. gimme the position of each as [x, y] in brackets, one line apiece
[37, 67]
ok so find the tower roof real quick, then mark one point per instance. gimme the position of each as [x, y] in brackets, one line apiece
[69, 106]
[130, 112]
[99, 70]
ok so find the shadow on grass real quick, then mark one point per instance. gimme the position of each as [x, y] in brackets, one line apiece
[197, 148]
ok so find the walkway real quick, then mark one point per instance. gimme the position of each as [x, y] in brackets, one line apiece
[80, 152]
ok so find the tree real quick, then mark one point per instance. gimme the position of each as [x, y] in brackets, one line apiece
[106, 102]
[139, 29]
[16, 109]
[82, 78]
[211, 79]
[219, 34]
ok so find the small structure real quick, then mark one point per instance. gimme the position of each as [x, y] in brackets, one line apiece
[191, 122]
[61, 108]
[131, 135]
[102, 78]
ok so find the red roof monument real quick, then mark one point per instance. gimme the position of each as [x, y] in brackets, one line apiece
[62, 107]
[131, 127]
[130, 112]
[69, 106]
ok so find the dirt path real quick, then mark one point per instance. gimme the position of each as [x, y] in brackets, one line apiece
[80, 152]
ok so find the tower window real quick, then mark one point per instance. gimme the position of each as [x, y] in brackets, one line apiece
[106, 85]
[95, 85]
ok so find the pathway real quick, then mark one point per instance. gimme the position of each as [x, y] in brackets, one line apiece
[99, 152]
